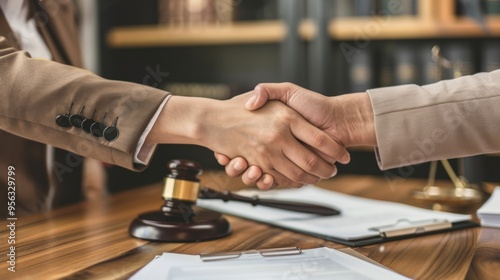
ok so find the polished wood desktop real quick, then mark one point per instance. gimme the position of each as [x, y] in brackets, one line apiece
[90, 240]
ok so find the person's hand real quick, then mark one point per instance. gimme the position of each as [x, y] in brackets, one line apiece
[300, 166]
[346, 118]
[251, 176]
[272, 138]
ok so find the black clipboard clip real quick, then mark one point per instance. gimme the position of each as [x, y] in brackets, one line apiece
[406, 227]
[274, 252]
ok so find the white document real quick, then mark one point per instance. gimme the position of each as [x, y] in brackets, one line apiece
[360, 217]
[318, 264]
[489, 213]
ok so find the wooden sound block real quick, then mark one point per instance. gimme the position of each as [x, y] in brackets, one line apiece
[201, 224]
[179, 220]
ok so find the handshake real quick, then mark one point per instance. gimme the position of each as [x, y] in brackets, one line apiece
[300, 137]
[277, 134]
[282, 134]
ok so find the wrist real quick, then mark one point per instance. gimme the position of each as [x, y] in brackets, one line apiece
[181, 121]
[358, 119]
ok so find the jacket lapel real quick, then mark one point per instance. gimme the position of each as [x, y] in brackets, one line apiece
[57, 25]
[7, 32]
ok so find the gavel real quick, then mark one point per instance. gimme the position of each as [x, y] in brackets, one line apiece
[179, 220]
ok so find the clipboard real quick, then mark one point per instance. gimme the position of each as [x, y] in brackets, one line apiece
[393, 233]
[361, 222]
[275, 263]
[276, 252]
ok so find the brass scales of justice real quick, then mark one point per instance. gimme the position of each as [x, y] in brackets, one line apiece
[462, 194]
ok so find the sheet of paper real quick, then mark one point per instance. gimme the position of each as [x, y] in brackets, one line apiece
[318, 264]
[489, 213]
[358, 218]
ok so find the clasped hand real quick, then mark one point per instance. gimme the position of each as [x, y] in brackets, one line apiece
[347, 120]
[292, 141]
[277, 140]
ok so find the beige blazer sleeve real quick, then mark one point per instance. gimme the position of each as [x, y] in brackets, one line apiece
[448, 119]
[34, 92]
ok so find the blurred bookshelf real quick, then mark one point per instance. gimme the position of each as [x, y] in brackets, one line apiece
[434, 19]
[329, 46]
[275, 32]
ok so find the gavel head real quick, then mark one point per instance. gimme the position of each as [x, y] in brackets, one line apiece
[181, 182]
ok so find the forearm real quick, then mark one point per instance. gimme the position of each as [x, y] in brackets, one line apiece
[452, 118]
[35, 91]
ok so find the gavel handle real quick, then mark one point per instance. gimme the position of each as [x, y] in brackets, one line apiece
[207, 193]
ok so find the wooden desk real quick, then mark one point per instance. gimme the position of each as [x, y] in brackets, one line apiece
[90, 240]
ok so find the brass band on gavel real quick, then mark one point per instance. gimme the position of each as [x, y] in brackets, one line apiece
[180, 189]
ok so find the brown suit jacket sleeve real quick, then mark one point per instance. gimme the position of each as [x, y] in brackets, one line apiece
[34, 92]
[448, 119]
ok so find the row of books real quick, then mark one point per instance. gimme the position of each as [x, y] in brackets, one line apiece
[389, 64]
[194, 12]
[406, 63]
[181, 13]
[349, 8]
